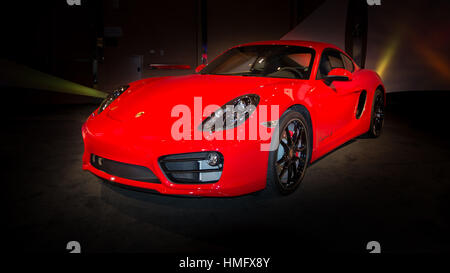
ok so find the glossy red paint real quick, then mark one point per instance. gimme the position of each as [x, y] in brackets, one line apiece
[119, 134]
[340, 72]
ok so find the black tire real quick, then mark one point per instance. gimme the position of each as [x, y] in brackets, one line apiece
[287, 167]
[377, 115]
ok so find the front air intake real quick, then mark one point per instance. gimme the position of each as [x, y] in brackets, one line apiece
[193, 168]
[124, 170]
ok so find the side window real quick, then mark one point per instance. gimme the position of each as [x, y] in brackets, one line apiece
[330, 59]
[348, 63]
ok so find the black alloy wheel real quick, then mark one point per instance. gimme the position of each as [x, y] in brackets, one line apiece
[288, 162]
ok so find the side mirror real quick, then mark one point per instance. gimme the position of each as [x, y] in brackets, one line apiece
[200, 67]
[338, 74]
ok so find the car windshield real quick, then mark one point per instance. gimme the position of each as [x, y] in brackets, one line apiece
[275, 61]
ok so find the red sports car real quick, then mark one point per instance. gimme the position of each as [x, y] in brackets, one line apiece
[252, 119]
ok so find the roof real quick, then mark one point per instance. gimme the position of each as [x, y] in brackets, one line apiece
[315, 45]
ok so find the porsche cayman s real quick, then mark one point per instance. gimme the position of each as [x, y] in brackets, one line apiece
[251, 120]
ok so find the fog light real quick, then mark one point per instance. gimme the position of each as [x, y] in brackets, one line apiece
[213, 159]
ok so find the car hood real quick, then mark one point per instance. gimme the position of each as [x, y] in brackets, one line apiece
[157, 97]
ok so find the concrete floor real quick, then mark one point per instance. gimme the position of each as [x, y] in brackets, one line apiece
[394, 190]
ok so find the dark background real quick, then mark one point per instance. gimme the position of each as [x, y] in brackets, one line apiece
[394, 189]
[65, 40]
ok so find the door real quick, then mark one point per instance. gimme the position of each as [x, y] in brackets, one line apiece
[337, 98]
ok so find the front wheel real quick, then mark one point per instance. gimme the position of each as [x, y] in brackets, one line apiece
[289, 158]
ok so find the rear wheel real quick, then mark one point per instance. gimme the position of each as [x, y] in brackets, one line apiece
[377, 116]
[290, 156]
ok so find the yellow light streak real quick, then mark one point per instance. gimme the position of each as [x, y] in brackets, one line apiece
[12, 74]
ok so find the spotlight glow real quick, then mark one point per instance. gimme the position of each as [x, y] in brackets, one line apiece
[387, 56]
[16, 75]
[434, 60]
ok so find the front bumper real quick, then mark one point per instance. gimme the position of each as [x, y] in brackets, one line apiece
[244, 167]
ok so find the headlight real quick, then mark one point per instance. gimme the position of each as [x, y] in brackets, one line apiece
[111, 97]
[232, 114]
